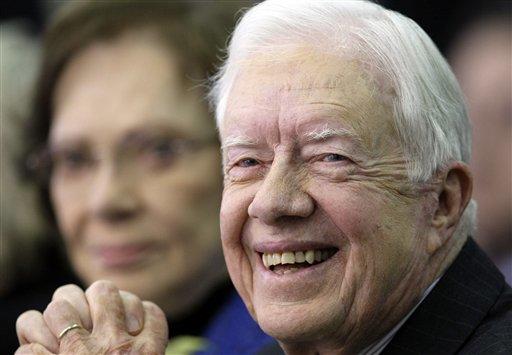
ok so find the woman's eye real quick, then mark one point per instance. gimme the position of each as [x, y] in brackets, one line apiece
[333, 158]
[162, 150]
[72, 160]
[247, 163]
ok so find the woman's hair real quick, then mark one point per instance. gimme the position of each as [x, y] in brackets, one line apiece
[429, 111]
[193, 31]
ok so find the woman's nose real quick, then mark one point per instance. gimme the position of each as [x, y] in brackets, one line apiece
[114, 196]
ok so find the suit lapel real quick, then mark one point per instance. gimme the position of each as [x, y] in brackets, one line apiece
[454, 308]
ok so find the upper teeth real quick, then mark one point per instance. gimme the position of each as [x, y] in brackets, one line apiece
[290, 257]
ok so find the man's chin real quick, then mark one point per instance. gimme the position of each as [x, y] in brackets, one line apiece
[293, 323]
[285, 331]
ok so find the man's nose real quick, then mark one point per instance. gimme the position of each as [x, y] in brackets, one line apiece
[281, 195]
[113, 196]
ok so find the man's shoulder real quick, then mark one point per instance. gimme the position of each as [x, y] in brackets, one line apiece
[494, 334]
[468, 311]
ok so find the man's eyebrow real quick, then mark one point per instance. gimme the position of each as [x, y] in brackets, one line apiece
[240, 140]
[327, 132]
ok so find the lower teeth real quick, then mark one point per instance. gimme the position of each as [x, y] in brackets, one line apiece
[288, 268]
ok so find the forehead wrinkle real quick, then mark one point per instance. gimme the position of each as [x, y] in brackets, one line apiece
[309, 82]
[336, 106]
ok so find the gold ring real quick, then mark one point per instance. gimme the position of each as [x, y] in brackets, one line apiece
[67, 329]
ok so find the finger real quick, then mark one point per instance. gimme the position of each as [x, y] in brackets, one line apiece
[134, 312]
[31, 328]
[106, 306]
[59, 315]
[155, 333]
[33, 349]
[76, 297]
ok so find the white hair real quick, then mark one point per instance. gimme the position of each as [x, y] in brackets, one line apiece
[428, 107]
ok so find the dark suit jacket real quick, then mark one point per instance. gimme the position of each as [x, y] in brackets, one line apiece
[469, 311]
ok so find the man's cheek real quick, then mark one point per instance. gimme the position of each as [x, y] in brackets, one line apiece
[227, 213]
[240, 271]
[355, 222]
[233, 216]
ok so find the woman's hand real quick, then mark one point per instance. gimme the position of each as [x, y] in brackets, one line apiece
[103, 320]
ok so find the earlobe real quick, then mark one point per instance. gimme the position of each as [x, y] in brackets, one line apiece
[434, 241]
[454, 195]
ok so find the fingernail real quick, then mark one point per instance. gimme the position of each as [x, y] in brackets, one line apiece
[133, 324]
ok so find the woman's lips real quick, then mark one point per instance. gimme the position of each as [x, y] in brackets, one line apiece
[123, 256]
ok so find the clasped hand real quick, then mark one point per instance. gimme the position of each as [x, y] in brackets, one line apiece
[101, 320]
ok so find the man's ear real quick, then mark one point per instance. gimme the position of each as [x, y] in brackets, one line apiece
[454, 194]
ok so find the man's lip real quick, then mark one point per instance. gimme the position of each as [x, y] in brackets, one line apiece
[282, 246]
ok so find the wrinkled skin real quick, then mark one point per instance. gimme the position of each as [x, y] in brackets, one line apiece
[113, 322]
[289, 184]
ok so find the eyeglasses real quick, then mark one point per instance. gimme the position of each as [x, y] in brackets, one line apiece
[137, 154]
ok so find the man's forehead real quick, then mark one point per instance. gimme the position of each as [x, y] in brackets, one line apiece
[264, 84]
[298, 72]
[302, 68]
[303, 89]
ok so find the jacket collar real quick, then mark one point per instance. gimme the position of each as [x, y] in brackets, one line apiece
[452, 311]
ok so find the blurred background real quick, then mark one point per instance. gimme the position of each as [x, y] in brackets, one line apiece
[475, 37]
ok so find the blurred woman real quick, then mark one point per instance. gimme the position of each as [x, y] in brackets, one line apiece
[129, 150]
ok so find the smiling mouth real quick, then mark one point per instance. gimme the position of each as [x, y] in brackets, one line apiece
[292, 261]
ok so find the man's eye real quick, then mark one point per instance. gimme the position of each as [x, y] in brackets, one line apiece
[333, 158]
[247, 163]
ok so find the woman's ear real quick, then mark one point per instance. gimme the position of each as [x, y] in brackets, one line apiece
[454, 194]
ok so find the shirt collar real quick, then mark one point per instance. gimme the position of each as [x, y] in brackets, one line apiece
[377, 347]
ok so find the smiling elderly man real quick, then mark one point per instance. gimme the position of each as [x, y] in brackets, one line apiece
[347, 200]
